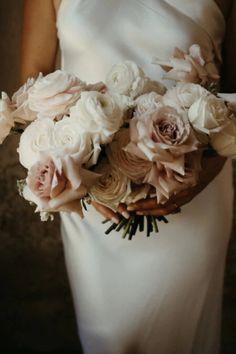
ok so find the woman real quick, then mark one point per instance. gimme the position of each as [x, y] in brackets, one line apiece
[161, 295]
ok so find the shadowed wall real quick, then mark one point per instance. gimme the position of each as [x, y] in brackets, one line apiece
[36, 313]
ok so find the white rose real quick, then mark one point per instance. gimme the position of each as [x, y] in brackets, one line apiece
[183, 95]
[208, 114]
[37, 138]
[52, 96]
[6, 120]
[224, 142]
[68, 139]
[99, 114]
[230, 98]
[126, 79]
[20, 101]
[147, 103]
[112, 188]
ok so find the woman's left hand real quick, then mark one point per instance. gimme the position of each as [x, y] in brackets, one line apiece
[211, 166]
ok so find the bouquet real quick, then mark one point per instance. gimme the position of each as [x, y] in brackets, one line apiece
[120, 141]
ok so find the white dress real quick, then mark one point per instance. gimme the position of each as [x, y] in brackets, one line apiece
[162, 294]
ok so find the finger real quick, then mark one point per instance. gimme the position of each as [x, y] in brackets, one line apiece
[106, 212]
[122, 209]
[160, 211]
[143, 204]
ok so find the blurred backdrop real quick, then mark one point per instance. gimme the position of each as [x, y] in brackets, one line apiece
[36, 311]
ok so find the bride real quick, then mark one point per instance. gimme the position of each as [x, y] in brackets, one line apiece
[149, 296]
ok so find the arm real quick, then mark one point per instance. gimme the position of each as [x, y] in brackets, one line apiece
[39, 38]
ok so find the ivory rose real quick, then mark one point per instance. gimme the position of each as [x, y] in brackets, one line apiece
[230, 98]
[99, 114]
[208, 114]
[36, 138]
[112, 187]
[55, 184]
[20, 100]
[51, 96]
[6, 120]
[147, 103]
[126, 78]
[162, 136]
[68, 139]
[183, 95]
[224, 142]
[189, 67]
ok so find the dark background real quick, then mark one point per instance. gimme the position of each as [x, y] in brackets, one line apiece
[36, 311]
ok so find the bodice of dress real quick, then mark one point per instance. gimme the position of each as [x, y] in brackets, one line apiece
[95, 34]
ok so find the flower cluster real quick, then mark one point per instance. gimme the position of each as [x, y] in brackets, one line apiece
[120, 141]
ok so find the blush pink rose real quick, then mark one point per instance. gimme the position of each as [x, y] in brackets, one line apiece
[189, 67]
[163, 136]
[55, 184]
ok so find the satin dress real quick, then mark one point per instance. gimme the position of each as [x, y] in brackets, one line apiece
[162, 294]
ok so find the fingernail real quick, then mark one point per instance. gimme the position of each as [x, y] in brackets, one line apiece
[130, 208]
[139, 212]
[125, 214]
[115, 220]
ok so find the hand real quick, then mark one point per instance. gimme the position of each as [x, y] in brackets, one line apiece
[211, 166]
[109, 213]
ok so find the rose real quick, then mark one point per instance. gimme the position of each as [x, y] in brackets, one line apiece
[68, 139]
[208, 114]
[230, 98]
[224, 142]
[183, 95]
[6, 120]
[36, 138]
[112, 187]
[163, 136]
[147, 102]
[22, 112]
[130, 165]
[98, 114]
[55, 184]
[52, 96]
[168, 182]
[153, 86]
[126, 79]
[189, 67]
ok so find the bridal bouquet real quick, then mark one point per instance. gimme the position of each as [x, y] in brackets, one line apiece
[120, 141]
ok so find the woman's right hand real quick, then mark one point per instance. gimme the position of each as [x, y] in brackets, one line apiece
[109, 213]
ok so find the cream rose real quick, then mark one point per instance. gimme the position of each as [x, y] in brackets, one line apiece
[20, 100]
[208, 114]
[183, 95]
[99, 114]
[55, 184]
[6, 120]
[147, 103]
[68, 139]
[126, 79]
[230, 98]
[163, 136]
[36, 138]
[130, 165]
[189, 67]
[224, 142]
[112, 187]
[51, 96]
